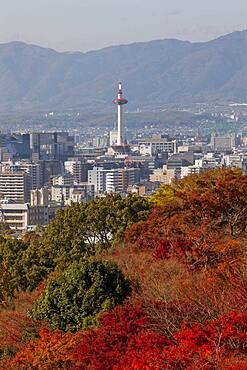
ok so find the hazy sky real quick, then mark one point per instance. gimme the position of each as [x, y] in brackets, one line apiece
[90, 24]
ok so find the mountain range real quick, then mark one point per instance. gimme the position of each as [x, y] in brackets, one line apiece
[154, 74]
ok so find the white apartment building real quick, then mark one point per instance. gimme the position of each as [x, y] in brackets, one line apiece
[114, 180]
[190, 170]
[156, 145]
[23, 216]
[97, 177]
[15, 186]
[33, 169]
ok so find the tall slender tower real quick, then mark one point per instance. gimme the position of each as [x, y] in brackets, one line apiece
[120, 101]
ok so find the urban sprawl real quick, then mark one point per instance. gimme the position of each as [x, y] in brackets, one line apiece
[42, 172]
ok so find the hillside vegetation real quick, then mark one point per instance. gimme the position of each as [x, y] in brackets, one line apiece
[132, 283]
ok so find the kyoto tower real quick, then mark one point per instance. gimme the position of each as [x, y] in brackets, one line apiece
[120, 101]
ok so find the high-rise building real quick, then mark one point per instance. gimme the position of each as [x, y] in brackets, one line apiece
[15, 186]
[97, 177]
[51, 146]
[33, 169]
[118, 180]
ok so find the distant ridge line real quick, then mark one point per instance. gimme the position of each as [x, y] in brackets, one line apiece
[155, 73]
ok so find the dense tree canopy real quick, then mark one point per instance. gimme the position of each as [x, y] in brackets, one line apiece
[96, 224]
[197, 219]
[216, 198]
[74, 299]
[53, 350]
[182, 252]
[11, 274]
[77, 232]
[123, 342]
[115, 344]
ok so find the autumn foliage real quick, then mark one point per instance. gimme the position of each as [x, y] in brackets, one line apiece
[53, 350]
[121, 337]
[185, 262]
[219, 345]
[124, 341]
[198, 219]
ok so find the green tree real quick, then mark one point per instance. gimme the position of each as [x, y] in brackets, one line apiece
[7, 285]
[27, 263]
[77, 232]
[36, 263]
[5, 229]
[11, 251]
[84, 229]
[73, 300]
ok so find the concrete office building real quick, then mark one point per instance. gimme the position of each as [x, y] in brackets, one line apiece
[154, 145]
[223, 143]
[162, 176]
[190, 170]
[66, 179]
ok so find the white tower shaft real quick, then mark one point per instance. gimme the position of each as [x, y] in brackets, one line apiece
[120, 126]
[120, 101]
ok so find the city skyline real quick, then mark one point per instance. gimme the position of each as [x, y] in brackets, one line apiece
[80, 26]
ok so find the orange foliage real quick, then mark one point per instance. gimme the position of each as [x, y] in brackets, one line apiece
[15, 325]
[201, 228]
[53, 350]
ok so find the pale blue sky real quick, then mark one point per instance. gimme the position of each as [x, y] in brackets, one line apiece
[92, 24]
